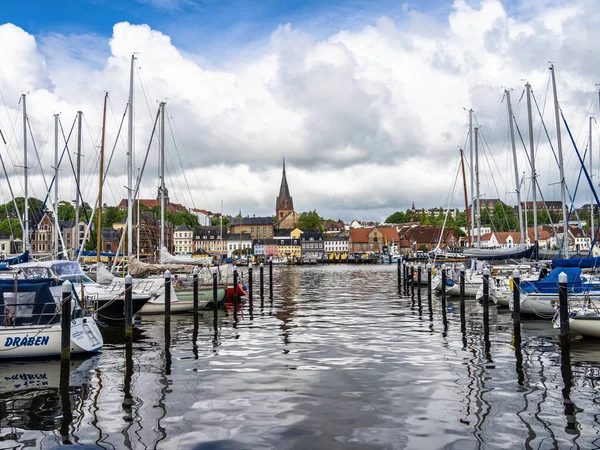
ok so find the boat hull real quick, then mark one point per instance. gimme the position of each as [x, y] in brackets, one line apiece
[586, 326]
[45, 341]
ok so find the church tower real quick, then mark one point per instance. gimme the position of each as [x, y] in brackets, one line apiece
[284, 204]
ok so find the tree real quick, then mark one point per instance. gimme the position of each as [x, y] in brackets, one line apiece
[310, 220]
[397, 217]
[182, 218]
[112, 215]
[13, 227]
[216, 221]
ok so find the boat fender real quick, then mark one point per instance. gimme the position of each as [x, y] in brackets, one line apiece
[449, 283]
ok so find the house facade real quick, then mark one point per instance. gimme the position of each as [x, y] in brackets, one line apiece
[237, 243]
[312, 245]
[183, 240]
[210, 240]
[256, 227]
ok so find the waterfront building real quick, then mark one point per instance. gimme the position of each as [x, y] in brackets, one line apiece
[373, 240]
[183, 239]
[336, 246]
[312, 245]
[256, 227]
[237, 243]
[210, 240]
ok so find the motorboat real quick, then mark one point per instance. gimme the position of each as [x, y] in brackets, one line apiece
[30, 313]
[107, 302]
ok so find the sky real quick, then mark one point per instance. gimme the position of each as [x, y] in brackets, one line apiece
[367, 100]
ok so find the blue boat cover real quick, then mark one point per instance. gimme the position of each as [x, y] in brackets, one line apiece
[584, 263]
[39, 309]
[22, 258]
[550, 283]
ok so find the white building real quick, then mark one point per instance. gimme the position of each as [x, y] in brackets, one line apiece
[183, 240]
[336, 244]
[234, 242]
[204, 217]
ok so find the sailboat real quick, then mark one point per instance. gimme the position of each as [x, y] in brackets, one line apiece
[522, 250]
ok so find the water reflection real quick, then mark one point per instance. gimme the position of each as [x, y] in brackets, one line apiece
[338, 360]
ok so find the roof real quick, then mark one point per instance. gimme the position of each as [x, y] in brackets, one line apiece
[183, 227]
[4, 235]
[235, 221]
[270, 241]
[201, 211]
[307, 234]
[360, 234]
[151, 203]
[502, 236]
[390, 233]
[236, 237]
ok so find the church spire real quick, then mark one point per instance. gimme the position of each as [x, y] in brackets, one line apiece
[284, 203]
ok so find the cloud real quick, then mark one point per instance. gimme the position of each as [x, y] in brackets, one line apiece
[370, 120]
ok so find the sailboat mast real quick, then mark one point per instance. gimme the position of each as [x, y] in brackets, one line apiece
[130, 163]
[25, 175]
[101, 182]
[563, 192]
[137, 226]
[162, 175]
[515, 164]
[591, 175]
[532, 158]
[77, 177]
[462, 163]
[56, 230]
[472, 177]
[477, 187]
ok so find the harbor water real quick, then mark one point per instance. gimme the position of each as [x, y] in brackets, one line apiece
[340, 359]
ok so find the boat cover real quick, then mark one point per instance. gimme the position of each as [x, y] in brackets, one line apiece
[549, 284]
[520, 251]
[167, 258]
[33, 303]
[584, 263]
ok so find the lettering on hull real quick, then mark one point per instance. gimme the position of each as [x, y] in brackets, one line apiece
[26, 341]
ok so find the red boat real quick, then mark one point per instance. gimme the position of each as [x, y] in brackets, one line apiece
[241, 291]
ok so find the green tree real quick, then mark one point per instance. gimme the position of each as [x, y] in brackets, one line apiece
[182, 218]
[310, 220]
[112, 215]
[12, 226]
[216, 221]
[397, 217]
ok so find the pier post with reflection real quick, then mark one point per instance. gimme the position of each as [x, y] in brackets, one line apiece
[412, 281]
[486, 311]
[563, 298]
[429, 293]
[250, 288]
[516, 281]
[419, 276]
[262, 283]
[128, 308]
[215, 296]
[271, 278]
[167, 295]
[463, 320]
[399, 267]
[195, 292]
[235, 293]
[65, 325]
[444, 280]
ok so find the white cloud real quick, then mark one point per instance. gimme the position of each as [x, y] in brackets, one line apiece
[369, 120]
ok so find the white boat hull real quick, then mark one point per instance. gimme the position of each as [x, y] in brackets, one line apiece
[45, 341]
[586, 326]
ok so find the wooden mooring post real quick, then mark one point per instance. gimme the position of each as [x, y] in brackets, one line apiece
[195, 293]
[563, 299]
[128, 308]
[271, 279]
[235, 293]
[262, 282]
[429, 293]
[463, 324]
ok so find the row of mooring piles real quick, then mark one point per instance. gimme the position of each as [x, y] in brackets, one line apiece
[406, 277]
[128, 402]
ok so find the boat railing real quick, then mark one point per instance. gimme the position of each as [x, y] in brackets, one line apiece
[23, 314]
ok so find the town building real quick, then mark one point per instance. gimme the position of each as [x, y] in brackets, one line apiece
[210, 240]
[237, 244]
[256, 227]
[204, 216]
[183, 240]
[426, 238]
[42, 241]
[288, 243]
[337, 245]
[312, 245]
[373, 240]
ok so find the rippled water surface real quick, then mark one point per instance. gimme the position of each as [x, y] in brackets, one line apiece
[339, 360]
